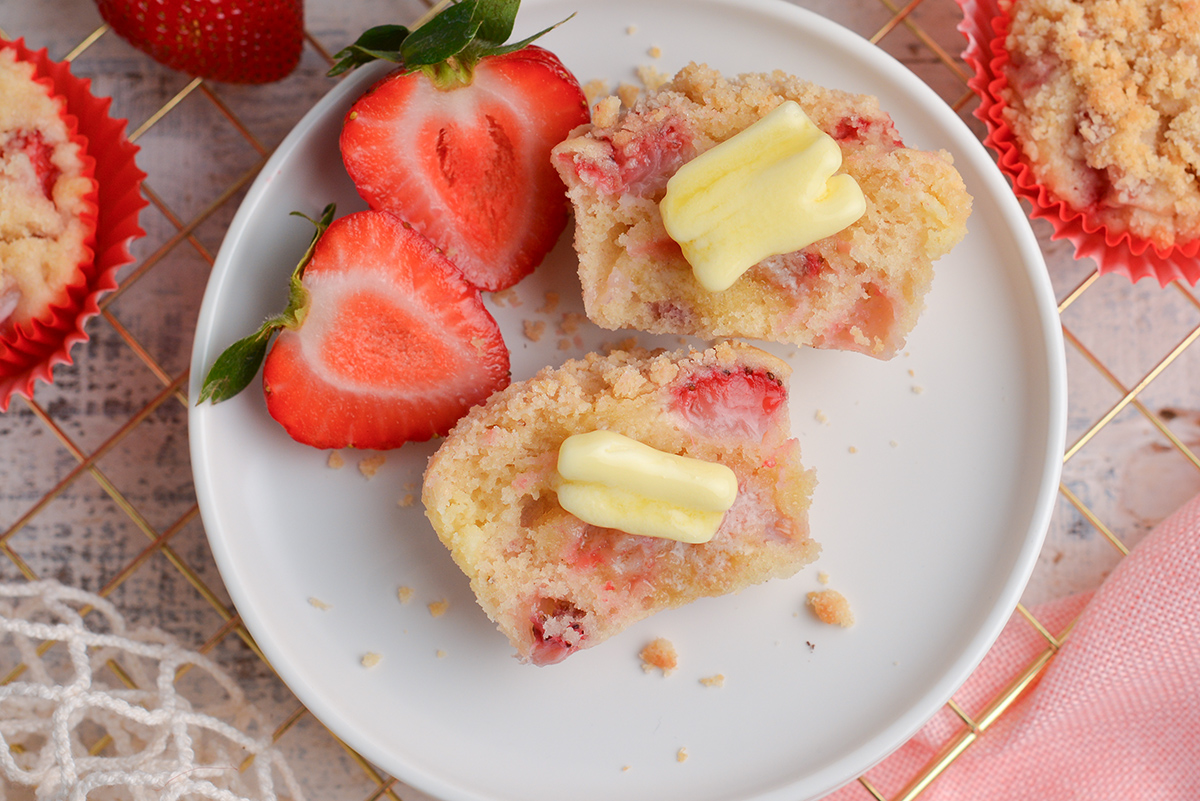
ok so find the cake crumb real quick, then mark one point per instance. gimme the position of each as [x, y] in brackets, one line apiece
[681, 755]
[917, 389]
[912, 373]
[630, 31]
[811, 646]
[438, 608]
[659, 654]
[651, 77]
[336, 461]
[550, 304]
[894, 444]
[440, 654]
[571, 322]
[625, 768]
[534, 329]
[317, 603]
[595, 89]
[821, 417]
[405, 594]
[606, 113]
[716, 680]
[823, 578]
[407, 501]
[831, 607]
[370, 465]
[371, 659]
[852, 449]
[506, 297]
[654, 52]
[564, 344]
[627, 344]
[628, 94]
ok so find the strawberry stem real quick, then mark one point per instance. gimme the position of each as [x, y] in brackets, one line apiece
[450, 74]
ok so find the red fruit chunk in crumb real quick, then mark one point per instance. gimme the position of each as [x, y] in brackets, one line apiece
[395, 347]
[814, 264]
[639, 162]
[740, 402]
[557, 630]
[864, 129]
[39, 153]
[469, 166]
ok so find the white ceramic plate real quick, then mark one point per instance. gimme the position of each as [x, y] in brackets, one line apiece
[938, 471]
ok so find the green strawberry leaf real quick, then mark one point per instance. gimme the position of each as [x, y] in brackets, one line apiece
[442, 37]
[382, 42]
[446, 47]
[501, 49]
[496, 19]
[237, 365]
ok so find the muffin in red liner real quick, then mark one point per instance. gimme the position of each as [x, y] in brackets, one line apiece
[29, 350]
[986, 25]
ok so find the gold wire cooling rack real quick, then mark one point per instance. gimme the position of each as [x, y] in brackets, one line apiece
[75, 461]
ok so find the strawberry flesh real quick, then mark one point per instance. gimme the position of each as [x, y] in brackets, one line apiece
[469, 166]
[40, 155]
[739, 402]
[880, 130]
[557, 630]
[395, 347]
[640, 161]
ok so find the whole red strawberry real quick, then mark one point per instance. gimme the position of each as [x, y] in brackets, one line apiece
[383, 341]
[239, 41]
[458, 140]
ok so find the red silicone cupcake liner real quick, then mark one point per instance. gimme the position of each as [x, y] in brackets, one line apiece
[985, 25]
[29, 353]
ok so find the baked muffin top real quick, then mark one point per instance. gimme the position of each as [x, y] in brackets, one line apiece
[43, 195]
[1102, 97]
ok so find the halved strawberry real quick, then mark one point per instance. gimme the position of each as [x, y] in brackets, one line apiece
[383, 342]
[458, 140]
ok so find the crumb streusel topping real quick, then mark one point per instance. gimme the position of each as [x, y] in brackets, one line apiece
[1103, 99]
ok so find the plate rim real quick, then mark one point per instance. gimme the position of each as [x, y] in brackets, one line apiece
[895, 734]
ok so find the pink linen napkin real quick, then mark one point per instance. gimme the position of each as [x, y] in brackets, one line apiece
[1116, 715]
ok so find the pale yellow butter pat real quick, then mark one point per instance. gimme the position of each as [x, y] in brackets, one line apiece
[610, 480]
[768, 190]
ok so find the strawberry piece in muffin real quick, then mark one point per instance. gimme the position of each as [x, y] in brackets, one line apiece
[457, 142]
[383, 342]
[555, 583]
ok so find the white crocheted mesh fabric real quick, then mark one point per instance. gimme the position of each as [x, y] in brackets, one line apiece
[100, 687]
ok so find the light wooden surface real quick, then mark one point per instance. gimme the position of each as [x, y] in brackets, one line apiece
[1126, 478]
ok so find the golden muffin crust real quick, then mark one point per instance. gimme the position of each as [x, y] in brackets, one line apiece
[861, 289]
